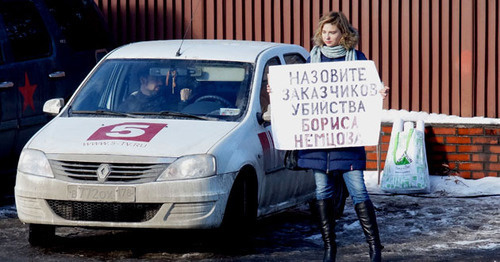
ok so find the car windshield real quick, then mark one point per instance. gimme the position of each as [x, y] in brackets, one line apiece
[186, 89]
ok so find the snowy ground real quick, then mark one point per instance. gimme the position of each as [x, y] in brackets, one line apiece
[458, 221]
[459, 216]
[446, 186]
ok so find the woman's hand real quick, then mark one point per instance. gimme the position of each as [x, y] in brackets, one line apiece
[384, 91]
[268, 86]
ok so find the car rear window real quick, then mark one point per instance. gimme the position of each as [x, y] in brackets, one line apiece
[294, 59]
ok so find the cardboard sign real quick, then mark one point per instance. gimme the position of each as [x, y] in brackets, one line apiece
[325, 105]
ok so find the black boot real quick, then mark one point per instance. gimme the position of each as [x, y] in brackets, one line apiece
[327, 226]
[368, 221]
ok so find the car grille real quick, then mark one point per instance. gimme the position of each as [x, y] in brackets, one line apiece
[120, 172]
[104, 212]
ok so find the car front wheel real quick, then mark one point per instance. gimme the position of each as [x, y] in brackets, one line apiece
[241, 208]
[41, 235]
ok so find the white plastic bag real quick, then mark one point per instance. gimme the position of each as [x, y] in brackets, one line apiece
[406, 169]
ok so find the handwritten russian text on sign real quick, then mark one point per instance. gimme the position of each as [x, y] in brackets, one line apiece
[325, 105]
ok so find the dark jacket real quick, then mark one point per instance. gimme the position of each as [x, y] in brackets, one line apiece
[348, 158]
[138, 102]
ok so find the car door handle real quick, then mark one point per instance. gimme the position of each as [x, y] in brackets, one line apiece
[5, 85]
[57, 74]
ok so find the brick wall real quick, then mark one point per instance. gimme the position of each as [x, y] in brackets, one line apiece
[470, 151]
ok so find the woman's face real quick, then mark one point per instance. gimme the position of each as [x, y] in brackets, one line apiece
[331, 35]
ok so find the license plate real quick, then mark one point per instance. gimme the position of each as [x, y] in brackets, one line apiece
[101, 193]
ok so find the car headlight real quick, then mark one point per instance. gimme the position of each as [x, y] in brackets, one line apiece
[34, 162]
[187, 167]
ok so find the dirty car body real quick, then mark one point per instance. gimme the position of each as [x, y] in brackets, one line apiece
[205, 160]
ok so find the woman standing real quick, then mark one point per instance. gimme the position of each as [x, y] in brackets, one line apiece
[335, 40]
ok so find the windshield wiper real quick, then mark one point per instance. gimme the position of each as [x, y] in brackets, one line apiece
[139, 114]
[104, 112]
[178, 114]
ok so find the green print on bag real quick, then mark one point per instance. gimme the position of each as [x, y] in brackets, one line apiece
[404, 159]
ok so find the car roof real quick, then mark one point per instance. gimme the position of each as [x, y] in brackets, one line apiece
[226, 50]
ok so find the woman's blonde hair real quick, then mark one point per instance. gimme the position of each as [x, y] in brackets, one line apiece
[350, 36]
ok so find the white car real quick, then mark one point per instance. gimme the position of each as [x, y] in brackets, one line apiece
[192, 152]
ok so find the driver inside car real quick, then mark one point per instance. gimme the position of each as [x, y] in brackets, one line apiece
[156, 93]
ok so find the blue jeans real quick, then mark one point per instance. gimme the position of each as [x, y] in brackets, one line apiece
[354, 182]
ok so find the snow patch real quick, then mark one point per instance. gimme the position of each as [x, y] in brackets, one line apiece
[490, 246]
[353, 225]
[433, 118]
[315, 237]
[445, 186]
[8, 212]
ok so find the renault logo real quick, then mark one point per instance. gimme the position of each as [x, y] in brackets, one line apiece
[103, 172]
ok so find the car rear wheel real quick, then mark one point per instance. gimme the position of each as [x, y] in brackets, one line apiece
[41, 235]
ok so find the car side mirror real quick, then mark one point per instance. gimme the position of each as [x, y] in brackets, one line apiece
[264, 118]
[260, 119]
[53, 106]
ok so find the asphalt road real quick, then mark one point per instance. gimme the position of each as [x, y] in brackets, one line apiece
[412, 229]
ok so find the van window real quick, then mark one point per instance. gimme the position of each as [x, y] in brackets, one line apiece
[80, 23]
[26, 33]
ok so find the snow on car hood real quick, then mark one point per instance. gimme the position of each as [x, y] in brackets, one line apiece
[119, 136]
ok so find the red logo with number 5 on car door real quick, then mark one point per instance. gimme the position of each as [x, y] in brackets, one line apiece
[142, 132]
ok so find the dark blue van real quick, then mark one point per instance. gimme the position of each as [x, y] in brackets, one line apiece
[47, 47]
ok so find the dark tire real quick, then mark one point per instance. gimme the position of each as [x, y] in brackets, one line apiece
[241, 209]
[41, 235]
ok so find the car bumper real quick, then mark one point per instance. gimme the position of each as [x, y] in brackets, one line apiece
[194, 203]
